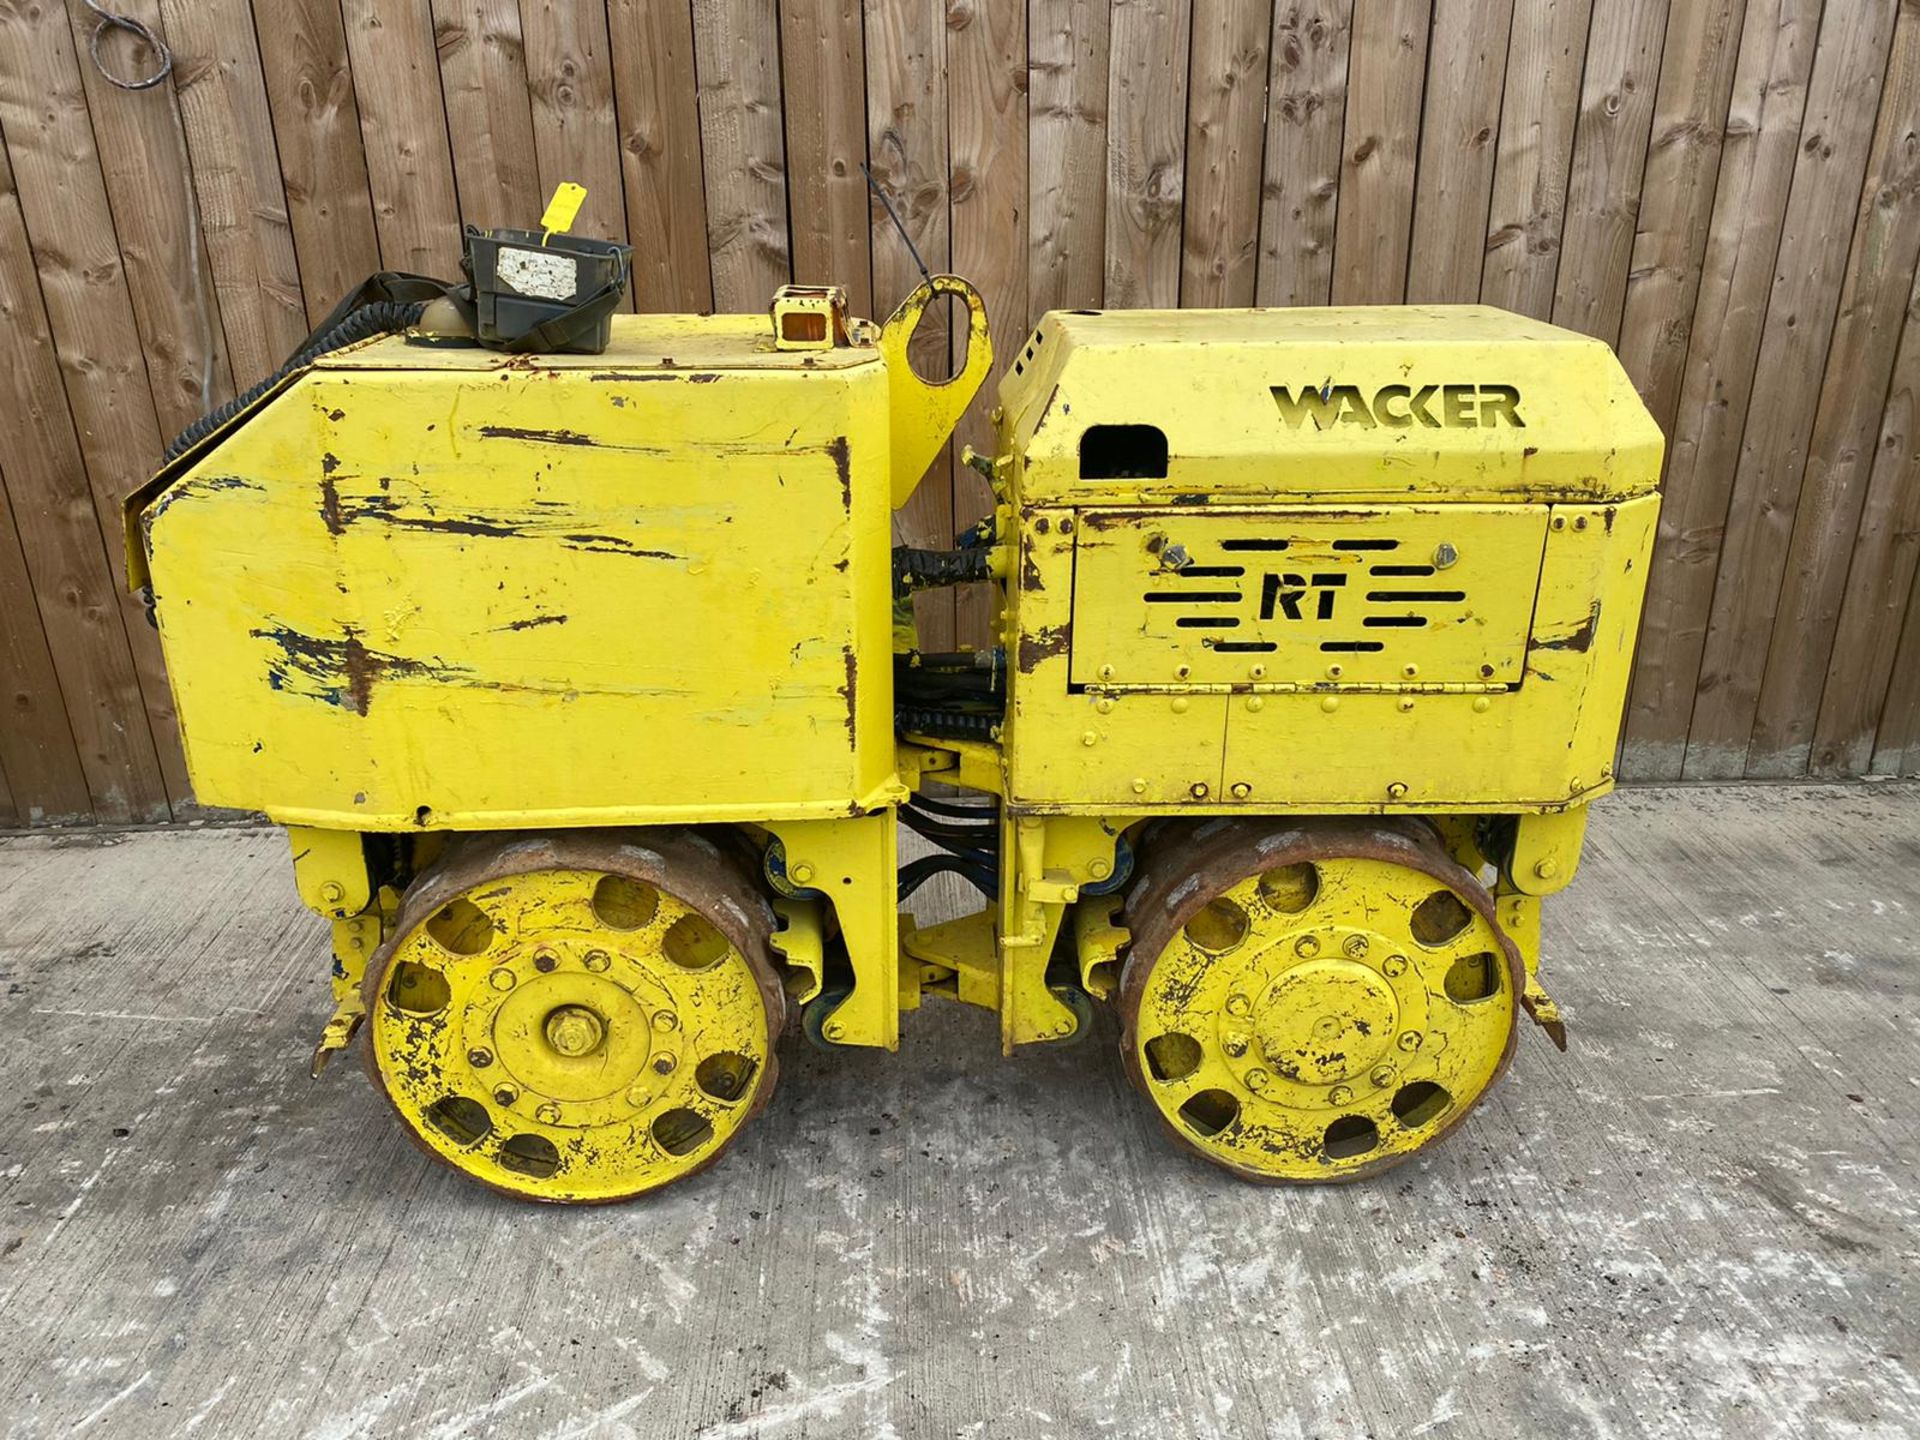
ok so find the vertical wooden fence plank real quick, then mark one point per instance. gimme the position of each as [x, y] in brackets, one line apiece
[1067, 161]
[823, 77]
[45, 780]
[1226, 124]
[737, 53]
[489, 118]
[1896, 745]
[659, 117]
[41, 466]
[575, 136]
[1466, 66]
[1749, 208]
[143, 161]
[1849, 65]
[316, 124]
[83, 305]
[403, 127]
[1300, 186]
[907, 143]
[1147, 135]
[236, 171]
[987, 146]
[1609, 159]
[1853, 399]
[1546, 55]
[1676, 206]
[1386, 82]
[1880, 581]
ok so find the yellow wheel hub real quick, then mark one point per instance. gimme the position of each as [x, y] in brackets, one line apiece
[569, 1033]
[1324, 1017]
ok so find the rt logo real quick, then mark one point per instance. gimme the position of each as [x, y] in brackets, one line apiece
[1400, 407]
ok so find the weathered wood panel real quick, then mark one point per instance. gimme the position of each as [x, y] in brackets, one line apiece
[1728, 190]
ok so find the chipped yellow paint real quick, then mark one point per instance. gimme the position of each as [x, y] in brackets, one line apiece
[554, 1056]
[1300, 1041]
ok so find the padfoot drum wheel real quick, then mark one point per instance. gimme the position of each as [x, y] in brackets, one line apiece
[1313, 1001]
[577, 1016]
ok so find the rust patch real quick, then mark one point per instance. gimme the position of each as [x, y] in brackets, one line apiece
[544, 437]
[533, 622]
[339, 672]
[704, 378]
[329, 463]
[1580, 641]
[330, 511]
[1043, 644]
[842, 456]
[851, 690]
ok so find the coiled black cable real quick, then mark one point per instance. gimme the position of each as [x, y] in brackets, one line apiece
[382, 317]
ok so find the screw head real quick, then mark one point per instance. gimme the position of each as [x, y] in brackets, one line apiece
[1307, 946]
[1106, 672]
[1340, 1095]
[1234, 1045]
[1411, 1040]
[1099, 869]
[1139, 786]
[548, 1114]
[479, 1058]
[1104, 705]
[546, 962]
[1481, 704]
[333, 892]
[1406, 703]
[1546, 869]
[501, 979]
[1258, 1080]
[1181, 704]
[506, 1094]
[1238, 1004]
[1395, 966]
[665, 1020]
[1241, 790]
[663, 1064]
[833, 1030]
[1356, 946]
[1334, 672]
[1255, 703]
[1444, 555]
[1092, 737]
[801, 873]
[1258, 672]
[1330, 703]
[1397, 790]
[1382, 1076]
[598, 960]
[1198, 790]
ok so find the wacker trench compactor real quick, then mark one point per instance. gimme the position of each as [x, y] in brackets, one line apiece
[568, 659]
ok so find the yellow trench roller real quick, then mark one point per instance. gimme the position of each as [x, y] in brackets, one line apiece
[584, 681]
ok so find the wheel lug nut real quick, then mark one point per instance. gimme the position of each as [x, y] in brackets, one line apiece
[1411, 1040]
[548, 1114]
[501, 979]
[597, 961]
[1382, 1077]
[1239, 1005]
[506, 1094]
[1307, 946]
[1235, 1045]
[1356, 946]
[1395, 966]
[665, 1020]
[545, 962]
[1340, 1095]
[1258, 1080]
[479, 1059]
[663, 1064]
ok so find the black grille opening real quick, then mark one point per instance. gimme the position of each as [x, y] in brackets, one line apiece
[1123, 452]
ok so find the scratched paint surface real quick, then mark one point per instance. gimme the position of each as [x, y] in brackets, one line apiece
[1702, 1220]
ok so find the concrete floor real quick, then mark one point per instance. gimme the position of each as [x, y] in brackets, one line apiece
[1701, 1221]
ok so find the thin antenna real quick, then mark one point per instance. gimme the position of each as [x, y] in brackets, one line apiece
[894, 216]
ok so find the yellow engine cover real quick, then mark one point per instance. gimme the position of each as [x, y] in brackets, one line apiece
[1321, 560]
[443, 586]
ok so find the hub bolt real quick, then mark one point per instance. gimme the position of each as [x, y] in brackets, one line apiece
[1382, 1077]
[479, 1059]
[574, 1030]
[1234, 1045]
[598, 960]
[506, 1094]
[501, 980]
[1411, 1040]
[1099, 869]
[639, 1096]
[663, 1064]
[332, 892]
[545, 962]
[1239, 1005]
[1340, 1095]
[1258, 1080]
[1356, 946]
[548, 1114]
[1307, 946]
[801, 873]
[665, 1020]
[1395, 966]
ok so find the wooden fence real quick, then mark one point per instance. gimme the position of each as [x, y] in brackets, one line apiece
[1727, 190]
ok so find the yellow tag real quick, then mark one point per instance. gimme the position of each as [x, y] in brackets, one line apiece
[561, 210]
